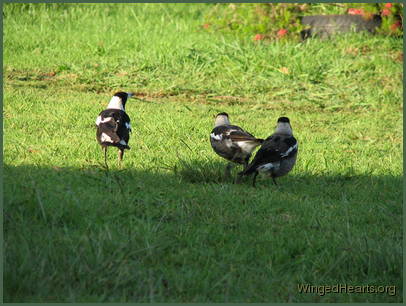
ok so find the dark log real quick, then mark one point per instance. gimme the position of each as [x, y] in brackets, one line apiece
[326, 25]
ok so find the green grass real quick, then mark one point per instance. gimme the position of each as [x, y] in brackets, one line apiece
[166, 226]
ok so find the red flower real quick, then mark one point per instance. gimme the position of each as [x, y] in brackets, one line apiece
[388, 5]
[206, 26]
[385, 12]
[282, 32]
[395, 25]
[353, 11]
[259, 37]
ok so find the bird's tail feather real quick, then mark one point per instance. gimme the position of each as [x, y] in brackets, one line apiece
[246, 138]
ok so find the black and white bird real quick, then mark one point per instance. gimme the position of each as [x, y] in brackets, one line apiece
[232, 142]
[113, 125]
[277, 155]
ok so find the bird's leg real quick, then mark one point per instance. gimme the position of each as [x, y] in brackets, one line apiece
[274, 181]
[120, 155]
[105, 157]
[228, 169]
[255, 177]
[245, 166]
[230, 166]
[246, 162]
[238, 179]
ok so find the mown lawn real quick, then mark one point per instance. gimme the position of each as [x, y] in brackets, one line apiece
[166, 226]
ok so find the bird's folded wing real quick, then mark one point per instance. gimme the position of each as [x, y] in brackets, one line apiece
[291, 147]
[272, 151]
[239, 135]
[108, 127]
[266, 155]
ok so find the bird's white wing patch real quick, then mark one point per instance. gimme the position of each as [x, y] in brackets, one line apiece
[265, 167]
[123, 142]
[128, 126]
[269, 167]
[247, 146]
[100, 120]
[105, 138]
[107, 119]
[216, 137]
[229, 131]
[289, 150]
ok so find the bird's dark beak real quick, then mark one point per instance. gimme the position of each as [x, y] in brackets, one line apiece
[131, 94]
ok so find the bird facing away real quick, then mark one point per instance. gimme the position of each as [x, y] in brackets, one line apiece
[232, 142]
[113, 125]
[277, 155]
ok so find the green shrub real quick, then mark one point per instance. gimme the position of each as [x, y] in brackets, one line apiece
[282, 20]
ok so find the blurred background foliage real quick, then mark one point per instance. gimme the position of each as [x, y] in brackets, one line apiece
[265, 20]
[282, 20]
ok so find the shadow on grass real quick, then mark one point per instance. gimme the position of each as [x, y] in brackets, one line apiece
[198, 172]
[185, 172]
[204, 182]
[81, 227]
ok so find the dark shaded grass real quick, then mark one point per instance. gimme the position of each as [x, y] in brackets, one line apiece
[143, 240]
